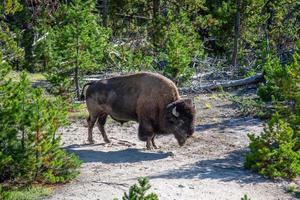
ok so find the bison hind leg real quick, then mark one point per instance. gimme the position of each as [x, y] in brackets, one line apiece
[91, 122]
[101, 122]
[142, 137]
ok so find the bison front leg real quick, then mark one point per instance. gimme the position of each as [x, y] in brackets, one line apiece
[101, 123]
[148, 144]
[153, 143]
[146, 134]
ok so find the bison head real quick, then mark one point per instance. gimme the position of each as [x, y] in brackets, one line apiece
[180, 119]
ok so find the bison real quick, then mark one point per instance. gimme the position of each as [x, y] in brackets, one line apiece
[150, 99]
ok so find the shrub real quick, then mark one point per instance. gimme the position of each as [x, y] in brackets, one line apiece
[245, 197]
[29, 120]
[76, 45]
[138, 192]
[276, 152]
[181, 44]
[123, 58]
[275, 75]
[29, 146]
[24, 193]
[248, 105]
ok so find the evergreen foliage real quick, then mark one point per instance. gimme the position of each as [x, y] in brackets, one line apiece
[245, 197]
[29, 146]
[9, 50]
[122, 58]
[276, 152]
[138, 192]
[275, 76]
[153, 32]
[76, 45]
[29, 120]
[181, 44]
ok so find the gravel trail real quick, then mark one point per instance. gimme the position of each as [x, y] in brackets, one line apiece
[208, 167]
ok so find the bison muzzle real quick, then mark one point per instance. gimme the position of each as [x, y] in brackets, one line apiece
[150, 99]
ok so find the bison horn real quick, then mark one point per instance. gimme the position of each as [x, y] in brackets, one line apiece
[174, 112]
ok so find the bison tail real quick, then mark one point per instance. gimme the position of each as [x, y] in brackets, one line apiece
[82, 97]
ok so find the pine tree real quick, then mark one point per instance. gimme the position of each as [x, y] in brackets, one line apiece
[29, 120]
[9, 50]
[138, 192]
[77, 45]
[29, 146]
[180, 45]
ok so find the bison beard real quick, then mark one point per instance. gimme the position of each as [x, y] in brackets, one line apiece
[150, 99]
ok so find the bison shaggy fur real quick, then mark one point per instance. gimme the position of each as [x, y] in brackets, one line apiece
[150, 99]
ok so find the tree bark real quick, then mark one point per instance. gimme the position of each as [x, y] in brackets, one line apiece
[105, 12]
[236, 33]
[156, 6]
[77, 82]
[76, 79]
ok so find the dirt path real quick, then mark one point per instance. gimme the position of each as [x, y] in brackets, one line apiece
[209, 166]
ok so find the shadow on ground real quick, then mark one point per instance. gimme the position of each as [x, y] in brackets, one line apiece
[130, 155]
[237, 124]
[229, 168]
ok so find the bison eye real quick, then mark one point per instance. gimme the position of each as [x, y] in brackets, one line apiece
[180, 122]
[172, 120]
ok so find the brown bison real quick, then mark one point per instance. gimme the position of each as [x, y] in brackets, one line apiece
[150, 99]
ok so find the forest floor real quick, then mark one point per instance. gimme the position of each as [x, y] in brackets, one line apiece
[209, 166]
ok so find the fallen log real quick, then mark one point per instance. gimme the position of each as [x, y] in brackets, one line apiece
[212, 86]
[224, 84]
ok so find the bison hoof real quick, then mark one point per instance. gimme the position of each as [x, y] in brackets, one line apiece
[149, 147]
[91, 141]
[106, 140]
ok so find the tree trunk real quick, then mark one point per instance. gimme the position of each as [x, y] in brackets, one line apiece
[236, 33]
[76, 79]
[102, 7]
[105, 12]
[156, 6]
[267, 26]
[28, 40]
